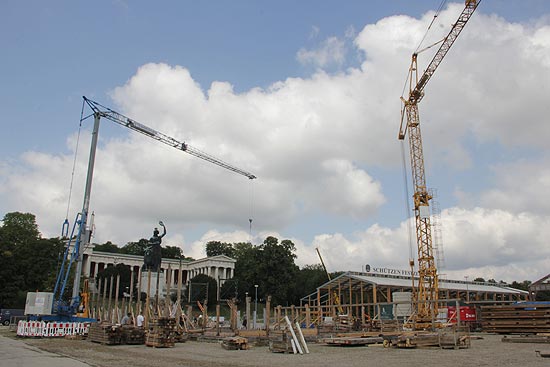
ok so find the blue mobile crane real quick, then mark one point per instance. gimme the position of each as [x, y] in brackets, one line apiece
[79, 238]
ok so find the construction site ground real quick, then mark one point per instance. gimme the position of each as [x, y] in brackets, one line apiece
[487, 351]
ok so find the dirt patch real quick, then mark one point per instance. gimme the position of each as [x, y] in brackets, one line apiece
[489, 351]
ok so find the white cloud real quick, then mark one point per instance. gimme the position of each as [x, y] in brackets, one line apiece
[331, 52]
[325, 144]
[520, 186]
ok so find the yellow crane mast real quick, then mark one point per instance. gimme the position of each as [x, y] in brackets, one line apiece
[427, 294]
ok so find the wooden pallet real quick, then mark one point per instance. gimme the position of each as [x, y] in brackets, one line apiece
[235, 343]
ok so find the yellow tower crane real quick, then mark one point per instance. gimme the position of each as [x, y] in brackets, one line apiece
[426, 295]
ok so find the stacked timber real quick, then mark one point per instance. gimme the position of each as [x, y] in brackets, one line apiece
[545, 339]
[132, 334]
[441, 338]
[235, 343]
[521, 318]
[346, 341]
[105, 333]
[162, 332]
[181, 336]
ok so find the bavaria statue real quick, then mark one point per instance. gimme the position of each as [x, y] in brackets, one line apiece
[153, 252]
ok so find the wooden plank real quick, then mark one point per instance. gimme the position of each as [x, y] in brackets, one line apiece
[302, 339]
[349, 341]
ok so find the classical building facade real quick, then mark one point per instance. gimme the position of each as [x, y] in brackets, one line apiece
[219, 267]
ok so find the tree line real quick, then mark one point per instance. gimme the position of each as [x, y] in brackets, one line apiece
[29, 262]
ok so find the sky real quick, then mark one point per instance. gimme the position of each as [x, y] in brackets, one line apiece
[304, 95]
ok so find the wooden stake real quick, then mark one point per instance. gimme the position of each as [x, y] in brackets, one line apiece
[302, 339]
[267, 315]
[218, 319]
[103, 301]
[178, 310]
[116, 296]
[308, 316]
[131, 299]
[138, 298]
[109, 314]
[96, 301]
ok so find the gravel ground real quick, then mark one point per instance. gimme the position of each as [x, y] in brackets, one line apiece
[488, 351]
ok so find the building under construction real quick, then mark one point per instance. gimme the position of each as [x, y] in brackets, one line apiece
[372, 295]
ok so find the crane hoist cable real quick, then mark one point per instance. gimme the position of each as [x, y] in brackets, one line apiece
[408, 204]
[66, 225]
[417, 51]
[251, 209]
[437, 12]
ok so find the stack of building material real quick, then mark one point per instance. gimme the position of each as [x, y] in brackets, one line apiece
[346, 341]
[105, 333]
[387, 325]
[181, 336]
[282, 346]
[235, 343]
[442, 338]
[526, 339]
[521, 318]
[161, 333]
[132, 334]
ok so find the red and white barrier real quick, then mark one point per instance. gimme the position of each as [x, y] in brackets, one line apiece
[51, 329]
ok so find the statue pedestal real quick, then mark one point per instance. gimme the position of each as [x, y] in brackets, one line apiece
[153, 289]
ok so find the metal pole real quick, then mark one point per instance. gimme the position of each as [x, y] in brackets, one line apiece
[84, 234]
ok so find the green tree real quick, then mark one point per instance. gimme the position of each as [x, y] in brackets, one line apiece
[12, 280]
[135, 248]
[171, 252]
[36, 256]
[270, 266]
[246, 269]
[214, 248]
[277, 270]
[105, 275]
[107, 247]
[27, 261]
[308, 279]
[204, 287]
[19, 228]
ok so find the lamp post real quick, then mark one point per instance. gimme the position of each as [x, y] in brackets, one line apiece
[255, 305]
[467, 290]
